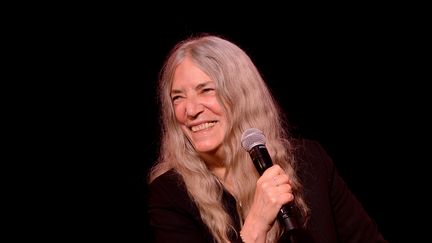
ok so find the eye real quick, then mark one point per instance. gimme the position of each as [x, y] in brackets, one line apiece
[206, 90]
[176, 98]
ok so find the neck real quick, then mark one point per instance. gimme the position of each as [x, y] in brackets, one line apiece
[226, 180]
[218, 171]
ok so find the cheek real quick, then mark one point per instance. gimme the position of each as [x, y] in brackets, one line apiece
[215, 106]
[179, 113]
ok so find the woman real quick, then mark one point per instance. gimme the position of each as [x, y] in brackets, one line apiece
[204, 186]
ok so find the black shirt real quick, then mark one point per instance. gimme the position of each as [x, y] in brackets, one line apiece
[336, 215]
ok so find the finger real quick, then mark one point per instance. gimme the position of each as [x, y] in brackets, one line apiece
[284, 188]
[285, 198]
[282, 179]
[274, 170]
[275, 181]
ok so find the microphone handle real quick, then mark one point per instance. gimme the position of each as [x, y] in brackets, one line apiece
[286, 216]
[262, 161]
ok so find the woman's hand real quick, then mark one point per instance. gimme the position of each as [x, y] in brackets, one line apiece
[272, 191]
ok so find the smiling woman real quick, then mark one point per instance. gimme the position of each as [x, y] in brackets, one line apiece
[204, 186]
[197, 109]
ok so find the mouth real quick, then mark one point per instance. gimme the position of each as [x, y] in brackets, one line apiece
[202, 126]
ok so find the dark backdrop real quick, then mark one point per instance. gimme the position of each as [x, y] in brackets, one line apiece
[342, 79]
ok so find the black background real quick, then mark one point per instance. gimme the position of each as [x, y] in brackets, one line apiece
[345, 78]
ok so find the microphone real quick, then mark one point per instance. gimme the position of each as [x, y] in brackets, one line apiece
[253, 141]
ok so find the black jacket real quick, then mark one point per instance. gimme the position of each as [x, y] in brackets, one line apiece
[336, 215]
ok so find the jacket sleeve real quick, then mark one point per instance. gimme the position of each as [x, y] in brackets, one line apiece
[352, 222]
[173, 216]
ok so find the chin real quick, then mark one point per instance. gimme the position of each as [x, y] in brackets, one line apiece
[204, 149]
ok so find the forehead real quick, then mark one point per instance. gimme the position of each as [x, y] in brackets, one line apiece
[188, 73]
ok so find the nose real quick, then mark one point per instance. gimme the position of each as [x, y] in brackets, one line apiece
[194, 108]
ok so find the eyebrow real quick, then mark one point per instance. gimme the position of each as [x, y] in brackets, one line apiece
[199, 86]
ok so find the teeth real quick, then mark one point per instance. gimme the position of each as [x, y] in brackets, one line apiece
[202, 126]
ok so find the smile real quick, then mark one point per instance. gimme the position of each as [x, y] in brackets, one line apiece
[202, 126]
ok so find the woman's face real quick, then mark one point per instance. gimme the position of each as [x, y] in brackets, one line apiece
[197, 109]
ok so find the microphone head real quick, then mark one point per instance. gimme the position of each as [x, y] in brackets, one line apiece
[252, 137]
